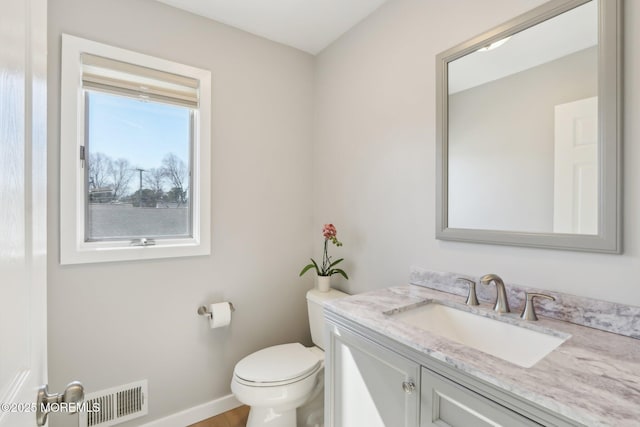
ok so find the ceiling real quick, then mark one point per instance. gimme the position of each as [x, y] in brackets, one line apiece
[309, 25]
[555, 38]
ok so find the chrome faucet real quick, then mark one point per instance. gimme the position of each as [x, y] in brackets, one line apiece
[502, 303]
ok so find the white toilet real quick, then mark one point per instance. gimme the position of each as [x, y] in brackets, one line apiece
[279, 381]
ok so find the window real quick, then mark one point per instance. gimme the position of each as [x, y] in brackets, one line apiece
[135, 176]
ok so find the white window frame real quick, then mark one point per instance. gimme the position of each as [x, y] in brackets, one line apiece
[73, 247]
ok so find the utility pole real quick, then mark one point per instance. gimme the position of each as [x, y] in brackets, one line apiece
[140, 190]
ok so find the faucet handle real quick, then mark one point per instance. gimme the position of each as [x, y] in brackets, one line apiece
[529, 312]
[472, 298]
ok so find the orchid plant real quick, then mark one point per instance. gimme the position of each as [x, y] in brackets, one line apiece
[327, 268]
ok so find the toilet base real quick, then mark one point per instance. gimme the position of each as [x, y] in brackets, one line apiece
[268, 417]
[311, 414]
[303, 414]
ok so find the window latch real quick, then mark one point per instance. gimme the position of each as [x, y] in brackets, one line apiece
[143, 242]
[82, 155]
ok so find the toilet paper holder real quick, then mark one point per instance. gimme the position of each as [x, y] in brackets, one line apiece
[204, 311]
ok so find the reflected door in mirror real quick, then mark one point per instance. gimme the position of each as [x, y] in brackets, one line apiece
[575, 205]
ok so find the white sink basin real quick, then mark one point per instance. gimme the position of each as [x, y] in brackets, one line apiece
[521, 346]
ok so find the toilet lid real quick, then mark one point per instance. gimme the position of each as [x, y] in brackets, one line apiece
[278, 363]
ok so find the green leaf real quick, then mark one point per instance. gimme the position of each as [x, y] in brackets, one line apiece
[316, 266]
[335, 262]
[306, 268]
[340, 272]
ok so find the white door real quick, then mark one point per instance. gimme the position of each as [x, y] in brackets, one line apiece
[23, 67]
[575, 207]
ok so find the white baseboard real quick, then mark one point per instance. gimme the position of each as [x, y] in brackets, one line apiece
[197, 413]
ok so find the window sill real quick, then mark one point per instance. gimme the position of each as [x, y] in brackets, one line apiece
[92, 252]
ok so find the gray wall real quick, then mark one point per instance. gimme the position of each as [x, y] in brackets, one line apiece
[505, 128]
[119, 322]
[368, 102]
[375, 123]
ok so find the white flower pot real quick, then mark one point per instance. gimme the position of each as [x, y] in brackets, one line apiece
[323, 283]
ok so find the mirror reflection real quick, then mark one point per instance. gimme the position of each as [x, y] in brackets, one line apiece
[523, 130]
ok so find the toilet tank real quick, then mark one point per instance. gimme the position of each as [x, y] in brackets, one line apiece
[315, 306]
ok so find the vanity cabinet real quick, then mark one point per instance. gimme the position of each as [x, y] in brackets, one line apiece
[446, 403]
[374, 381]
[369, 385]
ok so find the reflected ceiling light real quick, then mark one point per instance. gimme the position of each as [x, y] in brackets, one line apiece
[494, 45]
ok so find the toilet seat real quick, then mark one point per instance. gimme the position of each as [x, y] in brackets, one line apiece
[277, 365]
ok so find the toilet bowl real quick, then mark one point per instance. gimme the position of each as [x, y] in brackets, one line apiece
[277, 382]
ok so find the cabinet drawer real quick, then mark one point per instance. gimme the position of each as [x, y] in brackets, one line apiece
[445, 403]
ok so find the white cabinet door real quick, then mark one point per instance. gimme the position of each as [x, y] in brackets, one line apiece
[369, 385]
[447, 404]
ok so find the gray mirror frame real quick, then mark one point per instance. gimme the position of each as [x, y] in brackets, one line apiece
[609, 237]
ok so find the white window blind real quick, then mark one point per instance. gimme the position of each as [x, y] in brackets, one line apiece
[123, 78]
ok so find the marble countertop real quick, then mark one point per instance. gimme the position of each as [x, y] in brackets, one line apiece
[592, 378]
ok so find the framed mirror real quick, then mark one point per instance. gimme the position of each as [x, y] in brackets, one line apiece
[529, 131]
